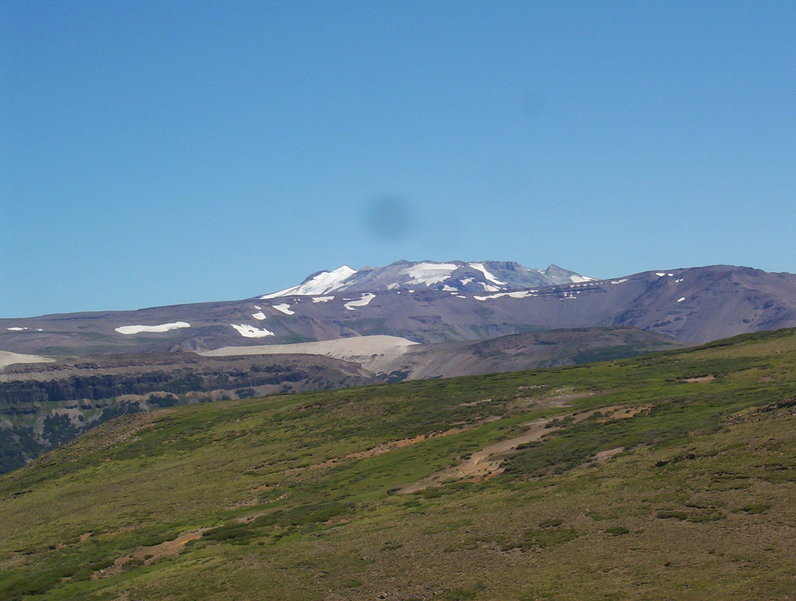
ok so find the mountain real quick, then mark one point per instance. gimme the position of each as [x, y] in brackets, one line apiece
[691, 305]
[453, 276]
[664, 476]
[515, 352]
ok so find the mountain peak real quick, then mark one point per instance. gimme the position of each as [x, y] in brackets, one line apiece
[450, 276]
[319, 282]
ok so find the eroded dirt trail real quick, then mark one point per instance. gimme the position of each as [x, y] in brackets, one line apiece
[148, 555]
[481, 465]
[486, 463]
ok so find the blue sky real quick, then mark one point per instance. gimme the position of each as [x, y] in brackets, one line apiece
[166, 152]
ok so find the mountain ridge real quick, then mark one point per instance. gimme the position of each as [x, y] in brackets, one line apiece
[449, 276]
[692, 305]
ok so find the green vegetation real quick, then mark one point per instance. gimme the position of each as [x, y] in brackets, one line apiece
[645, 485]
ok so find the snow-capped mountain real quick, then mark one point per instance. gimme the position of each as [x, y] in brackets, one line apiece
[452, 276]
[426, 303]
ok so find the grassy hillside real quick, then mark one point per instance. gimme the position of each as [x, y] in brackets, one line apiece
[668, 476]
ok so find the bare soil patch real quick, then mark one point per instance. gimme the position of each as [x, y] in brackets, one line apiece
[604, 456]
[148, 555]
[481, 465]
[486, 463]
[700, 379]
[388, 446]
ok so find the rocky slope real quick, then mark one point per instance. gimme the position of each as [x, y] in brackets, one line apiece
[691, 305]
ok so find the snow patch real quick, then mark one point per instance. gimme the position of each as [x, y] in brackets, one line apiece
[576, 279]
[480, 267]
[163, 327]
[681, 299]
[489, 287]
[466, 281]
[517, 294]
[622, 281]
[284, 308]
[259, 315]
[16, 329]
[248, 331]
[429, 273]
[326, 281]
[366, 298]
[322, 299]
[447, 288]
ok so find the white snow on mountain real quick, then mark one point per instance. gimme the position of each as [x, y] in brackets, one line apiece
[366, 298]
[425, 274]
[429, 273]
[248, 331]
[284, 308]
[259, 315]
[322, 299]
[16, 329]
[480, 267]
[163, 327]
[517, 294]
[325, 281]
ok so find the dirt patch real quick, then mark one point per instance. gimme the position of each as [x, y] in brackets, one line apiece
[700, 379]
[148, 555]
[8, 358]
[385, 447]
[372, 352]
[481, 465]
[604, 456]
[486, 463]
[628, 412]
[560, 398]
[12, 562]
[474, 403]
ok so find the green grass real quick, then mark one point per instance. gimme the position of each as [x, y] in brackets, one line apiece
[699, 505]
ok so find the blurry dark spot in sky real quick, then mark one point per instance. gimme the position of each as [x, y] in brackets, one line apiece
[388, 218]
[533, 104]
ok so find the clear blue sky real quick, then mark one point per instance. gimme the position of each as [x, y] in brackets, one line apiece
[167, 152]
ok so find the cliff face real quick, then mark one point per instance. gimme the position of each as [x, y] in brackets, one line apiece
[43, 406]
